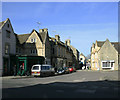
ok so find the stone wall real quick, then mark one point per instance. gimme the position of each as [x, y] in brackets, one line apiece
[108, 52]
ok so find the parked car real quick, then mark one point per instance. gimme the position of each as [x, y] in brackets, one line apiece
[42, 70]
[60, 70]
[66, 70]
[70, 69]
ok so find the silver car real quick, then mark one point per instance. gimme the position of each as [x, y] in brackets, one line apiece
[42, 70]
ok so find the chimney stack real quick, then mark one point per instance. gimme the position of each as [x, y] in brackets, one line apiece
[57, 37]
[67, 42]
[43, 30]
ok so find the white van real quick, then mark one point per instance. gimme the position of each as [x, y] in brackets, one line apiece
[42, 70]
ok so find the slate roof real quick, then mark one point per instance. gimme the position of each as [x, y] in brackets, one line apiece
[22, 38]
[61, 43]
[82, 54]
[1, 23]
[115, 44]
[100, 43]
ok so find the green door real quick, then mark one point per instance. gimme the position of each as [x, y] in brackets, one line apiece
[22, 63]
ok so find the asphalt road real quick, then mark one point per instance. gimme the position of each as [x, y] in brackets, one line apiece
[80, 84]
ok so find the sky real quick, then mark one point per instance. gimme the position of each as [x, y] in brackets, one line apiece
[81, 22]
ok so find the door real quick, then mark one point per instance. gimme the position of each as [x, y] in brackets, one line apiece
[22, 67]
[112, 65]
[5, 66]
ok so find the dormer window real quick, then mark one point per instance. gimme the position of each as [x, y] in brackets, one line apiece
[33, 40]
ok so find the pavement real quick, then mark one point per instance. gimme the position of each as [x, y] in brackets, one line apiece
[17, 77]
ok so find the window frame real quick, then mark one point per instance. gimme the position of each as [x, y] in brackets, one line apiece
[33, 40]
[34, 51]
[106, 63]
[7, 49]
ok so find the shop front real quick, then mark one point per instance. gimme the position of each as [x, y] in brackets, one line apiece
[25, 63]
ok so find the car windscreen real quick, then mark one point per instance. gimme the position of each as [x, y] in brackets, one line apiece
[65, 68]
[35, 68]
[45, 67]
[60, 69]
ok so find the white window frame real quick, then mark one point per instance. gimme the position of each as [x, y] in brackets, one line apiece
[111, 61]
[33, 40]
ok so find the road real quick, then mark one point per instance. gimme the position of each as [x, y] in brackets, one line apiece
[80, 84]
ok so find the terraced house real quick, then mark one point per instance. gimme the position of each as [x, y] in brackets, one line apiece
[34, 48]
[75, 54]
[7, 47]
[105, 55]
[62, 54]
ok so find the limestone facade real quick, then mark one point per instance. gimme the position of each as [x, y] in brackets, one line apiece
[104, 55]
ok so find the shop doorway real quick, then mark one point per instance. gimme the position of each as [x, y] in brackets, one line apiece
[21, 68]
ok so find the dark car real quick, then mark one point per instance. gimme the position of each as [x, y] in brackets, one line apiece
[66, 70]
[60, 70]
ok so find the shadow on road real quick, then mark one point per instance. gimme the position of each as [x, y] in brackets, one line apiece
[90, 89]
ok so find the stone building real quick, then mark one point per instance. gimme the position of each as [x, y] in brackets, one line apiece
[55, 52]
[75, 54]
[61, 53]
[7, 47]
[33, 48]
[82, 59]
[104, 55]
[35, 44]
